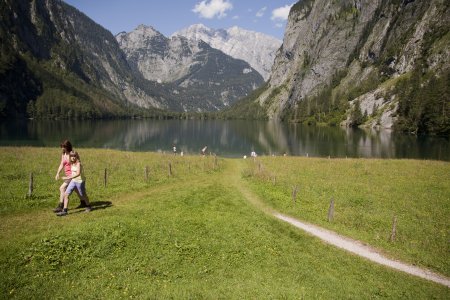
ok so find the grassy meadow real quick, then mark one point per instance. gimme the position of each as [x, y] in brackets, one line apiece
[367, 195]
[195, 234]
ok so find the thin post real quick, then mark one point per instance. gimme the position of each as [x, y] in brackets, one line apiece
[146, 173]
[105, 177]
[394, 229]
[331, 211]
[294, 193]
[259, 167]
[170, 169]
[30, 186]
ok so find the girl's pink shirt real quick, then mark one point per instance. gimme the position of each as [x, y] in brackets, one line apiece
[66, 164]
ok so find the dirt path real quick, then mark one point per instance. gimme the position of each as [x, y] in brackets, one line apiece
[330, 237]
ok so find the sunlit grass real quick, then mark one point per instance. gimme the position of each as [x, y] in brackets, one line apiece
[367, 194]
[125, 173]
[189, 235]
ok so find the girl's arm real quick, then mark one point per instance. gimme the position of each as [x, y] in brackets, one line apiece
[60, 167]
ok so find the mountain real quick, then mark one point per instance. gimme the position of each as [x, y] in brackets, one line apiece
[56, 62]
[380, 63]
[200, 77]
[253, 47]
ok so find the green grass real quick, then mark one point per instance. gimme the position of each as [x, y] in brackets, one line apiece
[125, 174]
[191, 235]
[368, 193]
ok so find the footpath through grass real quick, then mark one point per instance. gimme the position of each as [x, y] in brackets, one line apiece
[190, 235]
[367, 195]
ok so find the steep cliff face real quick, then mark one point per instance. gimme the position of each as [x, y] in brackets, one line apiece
[198, 77]
[156, 57]
[69, 56]
[344, 60]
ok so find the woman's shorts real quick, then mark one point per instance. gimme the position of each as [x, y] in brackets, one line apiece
[80, 186]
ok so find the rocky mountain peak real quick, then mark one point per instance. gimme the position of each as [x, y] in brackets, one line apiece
[141, 37]
[190, 68]
[256, 48]
[199, 27]
[146, 30]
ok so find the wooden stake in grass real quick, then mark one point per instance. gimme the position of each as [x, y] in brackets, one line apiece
[394, 229]
[331, 211]
[105, 177]
[30, 185]
[170, 169]
[294, 193]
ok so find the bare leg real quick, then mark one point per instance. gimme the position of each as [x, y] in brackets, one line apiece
[62, 190]
[85, 195]
[79, 196]
[66, 201]
[66, 204]
[82, 199]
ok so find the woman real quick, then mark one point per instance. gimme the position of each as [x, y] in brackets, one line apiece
[66, 147]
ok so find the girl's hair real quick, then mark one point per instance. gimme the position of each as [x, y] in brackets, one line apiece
[74, 153]
[67, 146]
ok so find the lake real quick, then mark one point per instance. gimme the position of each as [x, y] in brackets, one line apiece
[233, 138]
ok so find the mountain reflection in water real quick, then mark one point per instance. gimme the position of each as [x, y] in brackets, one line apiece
[232, 138]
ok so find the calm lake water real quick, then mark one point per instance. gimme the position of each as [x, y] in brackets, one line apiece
[225, 138]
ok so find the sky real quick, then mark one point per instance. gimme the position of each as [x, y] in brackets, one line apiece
[168, 16]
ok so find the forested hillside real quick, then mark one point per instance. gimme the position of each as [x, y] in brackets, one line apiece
[377, 64]
[57, 63]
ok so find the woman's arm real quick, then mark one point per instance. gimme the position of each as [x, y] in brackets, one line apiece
[60, 167]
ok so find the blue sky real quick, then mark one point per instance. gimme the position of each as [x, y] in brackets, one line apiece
[168, 16]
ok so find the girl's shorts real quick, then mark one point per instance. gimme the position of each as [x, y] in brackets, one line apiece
[80, 186]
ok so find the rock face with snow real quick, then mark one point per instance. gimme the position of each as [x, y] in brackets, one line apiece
[199, 77]
[253, 47]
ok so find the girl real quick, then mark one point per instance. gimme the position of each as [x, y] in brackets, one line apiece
[66, 147]
[77, 182]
